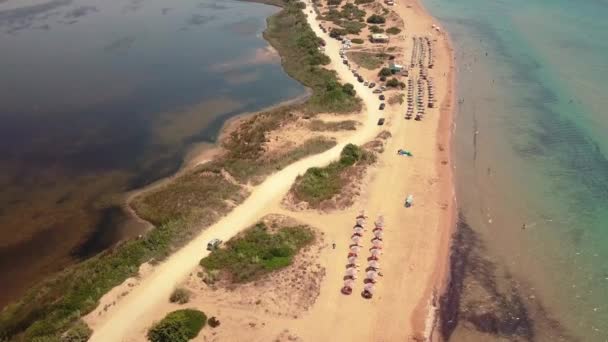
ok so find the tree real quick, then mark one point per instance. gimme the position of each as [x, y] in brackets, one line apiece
[393, 83]
[393, 30]
[376, 29]
[349, 89]
[334, 2]
[385, 72]
[375, 19]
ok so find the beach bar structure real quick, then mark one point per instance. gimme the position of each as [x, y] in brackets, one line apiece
[379, 38]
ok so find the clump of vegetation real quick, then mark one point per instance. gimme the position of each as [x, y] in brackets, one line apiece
[178, 326]
[397, 98]
[376, 19]
[360, 2]
[333, 126]
[322, 183]
[352, 12]
[393, 30]
[376, 29]
[180, 295]
[357, 41]
[385, 72]
[257, 251]
[334, 2]
[394, 83]
[366, 60]
[79, 332]
[352, 27]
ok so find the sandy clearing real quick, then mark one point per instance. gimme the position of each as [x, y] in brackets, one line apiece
[156, 287]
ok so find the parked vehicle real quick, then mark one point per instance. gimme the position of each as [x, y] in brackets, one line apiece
[377, 91]
[382, 97]
[380, 121]
[360, 79]
[365, 83]
[371, 85]
[382, 106]
[213, 244]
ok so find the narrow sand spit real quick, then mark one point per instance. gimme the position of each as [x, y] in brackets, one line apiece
[416, 239]
[157, 286]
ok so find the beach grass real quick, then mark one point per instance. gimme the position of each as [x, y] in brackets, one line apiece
[367, 60]
[258, 251]
[178, 326]
[322, 183]
[192, 201]
[332, 126]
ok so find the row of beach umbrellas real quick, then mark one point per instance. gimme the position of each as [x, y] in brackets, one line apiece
[373, 267]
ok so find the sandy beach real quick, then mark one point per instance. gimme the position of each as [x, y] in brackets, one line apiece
[415, 253]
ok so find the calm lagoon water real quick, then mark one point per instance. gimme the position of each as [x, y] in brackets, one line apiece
[531, 148]
[101, 97]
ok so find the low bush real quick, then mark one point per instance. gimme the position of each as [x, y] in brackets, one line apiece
[376, 29]
[352, 12]
[178, 326]
[385, 72]
[180, 295]
[334, 2]
[79, 332]
[357, 41]
[376, 19]
[393, 30]
[361, 2]
[393, 83]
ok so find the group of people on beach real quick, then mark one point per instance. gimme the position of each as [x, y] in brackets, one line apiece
[372, 272]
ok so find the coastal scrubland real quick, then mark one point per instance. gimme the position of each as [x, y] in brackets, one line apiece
[319, 184]
[257, 251]
[194, 200]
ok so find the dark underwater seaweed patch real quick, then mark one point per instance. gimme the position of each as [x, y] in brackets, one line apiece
[503, 310]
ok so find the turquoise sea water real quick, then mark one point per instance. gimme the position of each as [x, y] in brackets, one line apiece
[531, 147]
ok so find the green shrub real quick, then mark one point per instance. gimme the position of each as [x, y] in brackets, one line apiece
[376, 29]
[376, 19]
[349, 89]
[352, 12]
[352, 27]
[393, 30]
[257, 252]
[385, 72]
[180, 295]
[334, 2]
[360, 2]
[357, 41]
[178, 326]
[79, 332]
[393, 83]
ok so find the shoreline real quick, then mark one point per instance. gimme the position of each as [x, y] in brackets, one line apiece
[447, 127]
[207, 153]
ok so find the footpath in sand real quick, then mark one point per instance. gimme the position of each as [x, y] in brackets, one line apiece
[415, 240]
